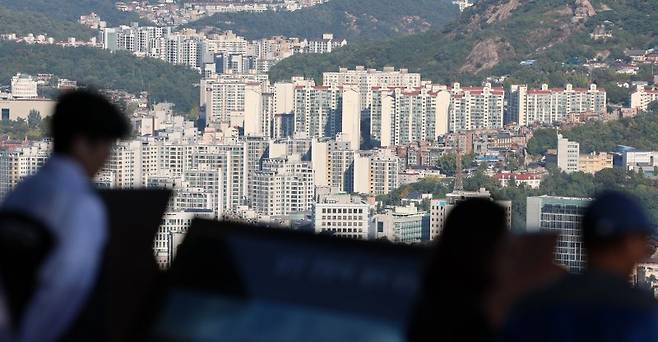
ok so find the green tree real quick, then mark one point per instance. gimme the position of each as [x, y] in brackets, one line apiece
[34, 119]
[542, 140]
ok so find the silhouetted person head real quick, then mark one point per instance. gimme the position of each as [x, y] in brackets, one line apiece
[84, 127]
[460, 275]
[616, 233]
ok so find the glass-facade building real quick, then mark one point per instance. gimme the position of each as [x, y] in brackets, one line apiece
[560, 215]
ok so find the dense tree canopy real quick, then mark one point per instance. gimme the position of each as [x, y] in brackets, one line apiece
[102, 69]
[640, 132]
[71, 10]
[22, 23]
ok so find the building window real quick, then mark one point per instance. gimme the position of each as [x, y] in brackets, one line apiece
[5, 114]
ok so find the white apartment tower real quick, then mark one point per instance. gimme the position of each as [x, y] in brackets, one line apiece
[476, 107]
[20, 162]
[316, 110]
[399, 116]
[547, 106]
[367, 79]
[642, 97]
[351, 117]
[283, 186]
[568, 154]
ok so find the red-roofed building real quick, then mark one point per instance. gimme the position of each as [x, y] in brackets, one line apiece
[529, 179]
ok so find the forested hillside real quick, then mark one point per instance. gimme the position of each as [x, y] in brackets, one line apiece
[102, 69]
[71, 10]
[355, 20]
[22, 23]
[639, 132]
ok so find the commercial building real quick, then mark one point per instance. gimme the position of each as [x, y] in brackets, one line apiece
[640, 161]
[13, 109]
[342, 215]
[561, 215]
[548, 106]
[594, 162]
[23, 87]
[402, 224]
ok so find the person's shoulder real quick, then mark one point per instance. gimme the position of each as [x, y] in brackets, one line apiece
[582, 291]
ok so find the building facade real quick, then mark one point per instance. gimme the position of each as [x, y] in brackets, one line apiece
[560, 215]
[548, 106]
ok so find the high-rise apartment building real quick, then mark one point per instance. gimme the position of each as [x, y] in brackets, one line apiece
[283, 186]
[400, 116]
[317, 110]
[547, 106]
[561, 215]
[16, 163]
[474, 108]
[376, 172]
[367, 79]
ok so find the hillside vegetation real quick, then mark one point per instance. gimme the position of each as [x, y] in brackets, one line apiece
[71, 10]
[355, 20]
[22, 23]
[492, 37]
[640, 132]
[102, 69]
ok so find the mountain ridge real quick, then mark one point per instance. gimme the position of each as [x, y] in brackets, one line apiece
[492, 37]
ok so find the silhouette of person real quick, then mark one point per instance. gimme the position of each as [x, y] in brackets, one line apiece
[451, 306]
[61, 195]
[599, 304]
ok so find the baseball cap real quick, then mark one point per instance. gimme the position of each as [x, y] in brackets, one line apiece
[613, 213]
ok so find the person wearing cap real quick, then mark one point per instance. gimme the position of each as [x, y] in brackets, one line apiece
[600, 304]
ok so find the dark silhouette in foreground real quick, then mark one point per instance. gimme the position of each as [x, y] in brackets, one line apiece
[452, 305]
[600, 304]
[62, 198]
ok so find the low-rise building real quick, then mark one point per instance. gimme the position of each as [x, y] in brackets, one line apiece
[527, 179]
[643, 96]
[595, 162]
[402, 224]
[342, 215]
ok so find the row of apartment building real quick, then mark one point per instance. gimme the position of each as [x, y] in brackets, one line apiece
[397, 106]
[198, 50]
